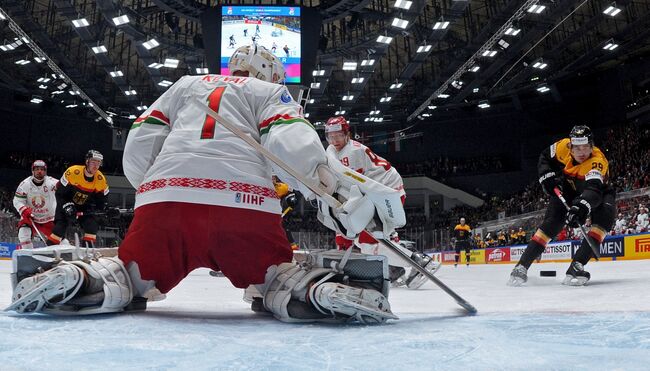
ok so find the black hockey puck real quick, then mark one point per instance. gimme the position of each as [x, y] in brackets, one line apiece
[547, 273]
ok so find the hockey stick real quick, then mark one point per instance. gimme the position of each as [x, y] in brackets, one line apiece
[591, 243]
[40, 235]
[331, 201]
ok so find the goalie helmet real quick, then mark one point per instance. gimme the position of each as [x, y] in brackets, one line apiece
[259, 62]
[337, 123]
[94, 155]
[581, 134]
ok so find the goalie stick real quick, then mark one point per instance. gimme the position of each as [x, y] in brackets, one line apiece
[331, 201]
[591, 243]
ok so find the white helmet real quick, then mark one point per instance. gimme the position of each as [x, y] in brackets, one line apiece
[259, 62]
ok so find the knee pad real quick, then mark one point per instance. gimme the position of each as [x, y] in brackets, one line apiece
[25, 234]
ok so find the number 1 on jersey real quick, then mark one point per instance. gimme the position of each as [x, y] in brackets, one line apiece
[214, 101]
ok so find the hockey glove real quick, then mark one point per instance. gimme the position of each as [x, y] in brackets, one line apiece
[549, 181]
[578, 212]
[290, 200]
[69, 210]
[26, 214]
[113, 212]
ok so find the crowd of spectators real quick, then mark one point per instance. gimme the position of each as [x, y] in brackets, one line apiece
[442, 166]
[56, 164]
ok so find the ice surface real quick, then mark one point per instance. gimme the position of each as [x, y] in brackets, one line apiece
[204, 325]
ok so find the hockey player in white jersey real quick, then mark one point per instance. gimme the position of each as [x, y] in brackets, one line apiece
[363, 160]
[35, 202]
[205, 199]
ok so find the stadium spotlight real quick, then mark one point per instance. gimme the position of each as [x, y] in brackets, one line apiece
[349, 66]
[540, 64]
[612, 10]
[315, 85]
[99, 49]
[536, 8]
[424, 48]
[441, 25]
[403, 4]
[512, 31]
[81, 22]
[610, 45]
[543, 88]
[400, 23]
[384, 39]
[120, 20]
[150, 44]
[171, 63]
[483, 104]
[489, 53]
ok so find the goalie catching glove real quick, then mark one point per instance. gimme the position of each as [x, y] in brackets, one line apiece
[362, 198]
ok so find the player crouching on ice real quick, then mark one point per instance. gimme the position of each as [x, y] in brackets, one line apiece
[205, 199]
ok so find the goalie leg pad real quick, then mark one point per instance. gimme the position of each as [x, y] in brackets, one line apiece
[329, 286]
[57, 285]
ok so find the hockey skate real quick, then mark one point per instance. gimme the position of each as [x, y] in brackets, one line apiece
[518, 276]
[576, 275]
[396, 275]
[53, 287]
[415, 280]
[366, 306]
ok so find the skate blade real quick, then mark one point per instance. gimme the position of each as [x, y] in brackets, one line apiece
[574, 281]
[364, 311]
[516, 282]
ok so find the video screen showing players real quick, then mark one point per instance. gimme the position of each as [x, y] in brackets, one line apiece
[275, 27]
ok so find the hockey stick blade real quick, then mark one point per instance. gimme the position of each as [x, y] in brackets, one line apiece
[591, 243]
[462, 302]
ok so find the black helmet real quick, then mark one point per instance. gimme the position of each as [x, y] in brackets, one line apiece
[94, 155]
[581, 134]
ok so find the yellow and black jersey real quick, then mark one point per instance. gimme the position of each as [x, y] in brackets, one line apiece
[594, 170]
[461, 232]
[76, 187]
[282, 189]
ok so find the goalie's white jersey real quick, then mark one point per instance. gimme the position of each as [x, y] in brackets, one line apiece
[40, 198]
[362, 159]
[174, 152]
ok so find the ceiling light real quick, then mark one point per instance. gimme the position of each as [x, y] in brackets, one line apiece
[315, 85]
[395, 86]
[403, 4]
[71, 106]
[443, 96]
[339, 113]
[536, 8]
[81, 22]
[202, 70]
[512, 31]
[43, 79]
[432, 107]
[123, 19]
[99, 49]
[42, 87]
[150, 44]
[7, 47]
[475, 90]
[311, 101]
[130, 92]
[489, 53]
[610, 46]
[424, 48]
[349, 66]
[73, 92]
[367, 62]
[165, 83]
[540, 65]
[504, 44]
[384, 39]
[116, 73]
[348, 97]
[543, 88]
[39, 59]
[318, 73]
[306, 115]
[142, 107]
[385, 99]
[375, 112]
[155, 65]
[440, 25]
[357, 80]
[483, 104]
[612, 10]
[36, 99]
[23, 62]
[400, 23]
[475, 68]
[171, 63]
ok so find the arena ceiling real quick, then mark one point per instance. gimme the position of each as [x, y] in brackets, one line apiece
[445, 53]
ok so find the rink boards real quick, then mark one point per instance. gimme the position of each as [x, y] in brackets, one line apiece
[620, 247]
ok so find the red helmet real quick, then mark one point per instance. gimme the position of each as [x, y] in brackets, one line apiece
[337, 123]
[39, 163]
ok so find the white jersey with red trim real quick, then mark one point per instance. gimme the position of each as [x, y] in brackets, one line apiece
[362, 159]
[174, 152]
[40, 198]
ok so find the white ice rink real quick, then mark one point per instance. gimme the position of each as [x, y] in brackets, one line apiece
[204, 325]
[289, 38]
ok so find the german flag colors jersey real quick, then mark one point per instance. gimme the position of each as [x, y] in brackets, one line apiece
[74, 186]
[461, 232]
[558, 158]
